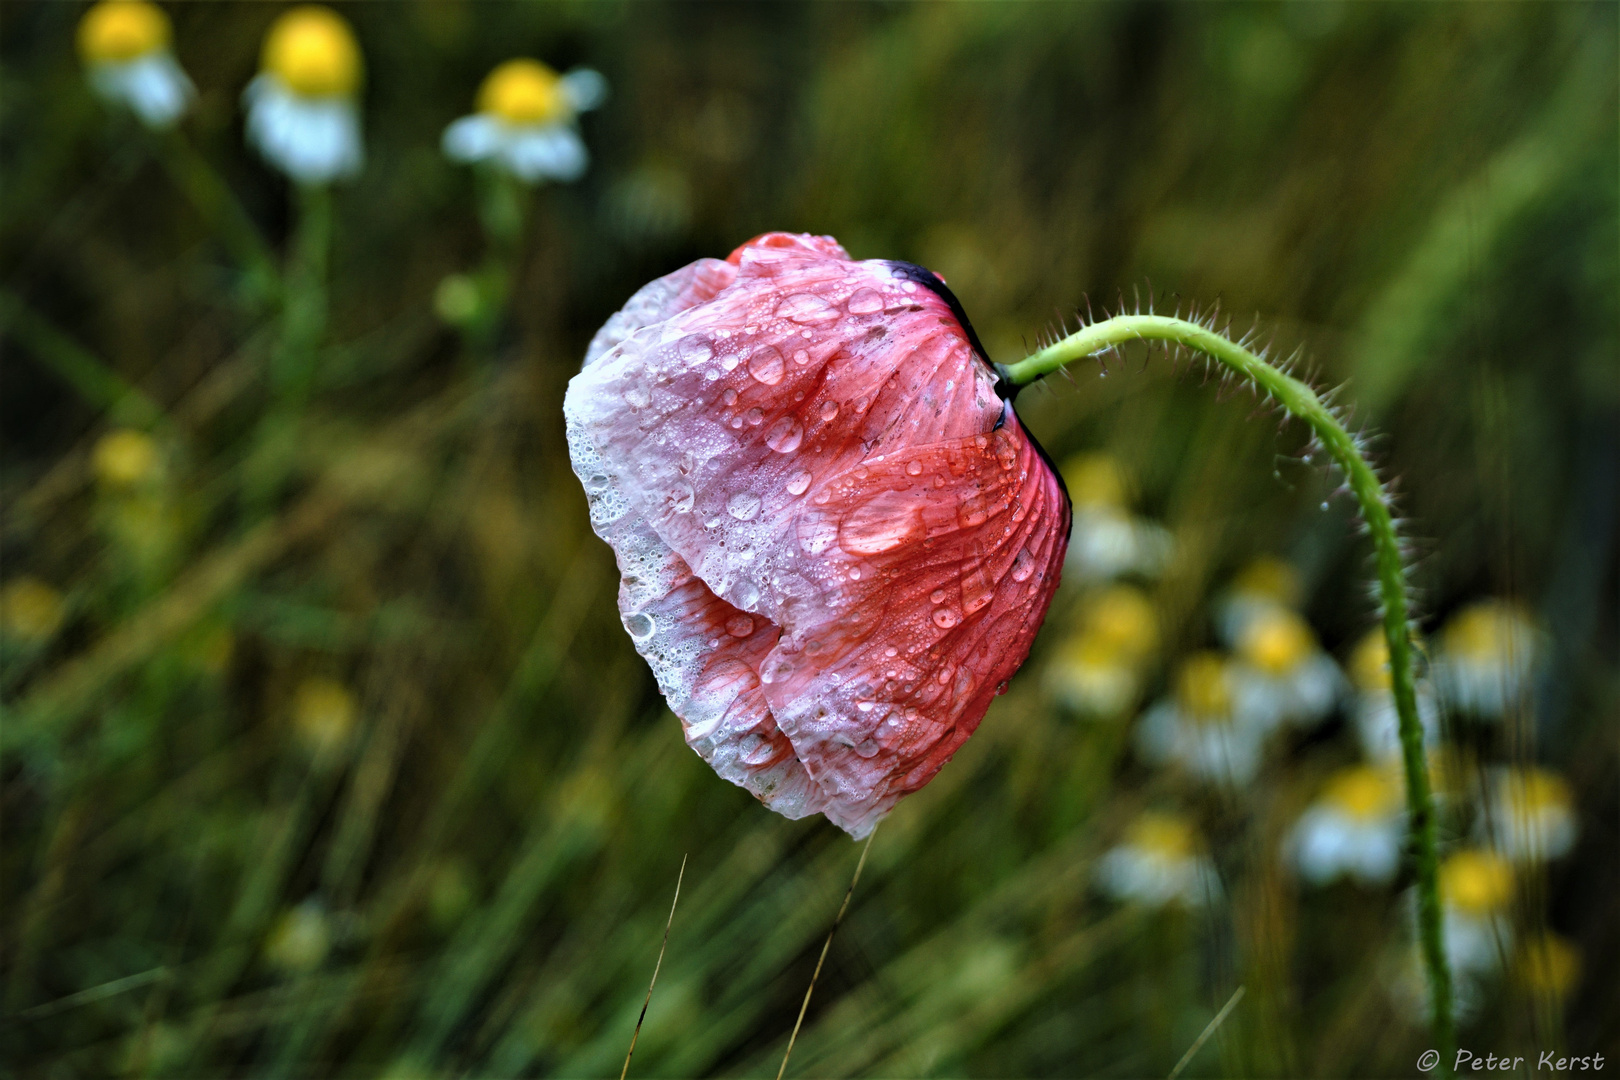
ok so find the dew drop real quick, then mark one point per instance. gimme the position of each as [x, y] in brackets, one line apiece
[775, 669]
[1023, 565]
[882, 523]
[695, 350]
[729, 397]
[743, 506]
[637, 397]
[784, 437]
[854, 573]
[913, 468]
[755, 416]
[829, 410]
[891, 651]
[945, 618]
[866, 748]
[597, 482]
[740, 625]
[754, 750]
[766, 365]
[865, 302]
[801, 357]
[746, 593]
[938, 596]
[799, 482]
[1324, 506]
[640, 625]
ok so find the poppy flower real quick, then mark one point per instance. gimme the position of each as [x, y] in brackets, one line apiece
[836, 539]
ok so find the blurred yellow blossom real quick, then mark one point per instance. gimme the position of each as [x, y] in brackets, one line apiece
[302, 109]
[125, 47]
[1354, 829]
[1485, 655]
[1282, 673]
[324, 714]
[525, 121]
[1159, 861]
[30, 610]
[1548, 964]
[1530, 814]
[1197, 727]
[126, 458]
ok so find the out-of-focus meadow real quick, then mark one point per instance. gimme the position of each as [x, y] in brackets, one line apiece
[325, 752]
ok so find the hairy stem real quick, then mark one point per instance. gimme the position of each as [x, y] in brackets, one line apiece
[1303, 402]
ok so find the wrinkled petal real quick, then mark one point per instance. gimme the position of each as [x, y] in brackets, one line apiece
[819, 443]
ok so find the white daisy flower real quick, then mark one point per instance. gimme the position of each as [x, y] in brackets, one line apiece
[1098, 670]
[1106, 541]
[1377, 723]
[1199, 729]
[525, 123]
[1263, 586]
[1354, 829]
[1282, 674]
[1159, 862]
[1487, 652]
[1476, 897]
[303, 112]
[1529, 816]
[125, 46]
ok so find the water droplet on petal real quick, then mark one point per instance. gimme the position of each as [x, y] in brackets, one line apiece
[766, 365]
[729, 397]
[745, 593]
[829, 410]
[806, 308]
[695, 350]
[755, 416]
[754, 750]
[882, 523]
[913, 468]
[640, 625]
[799, 482]
[785, 436]
[740, 625]
[865, 302]
[1023, 565]
[597, 482]
[945, 618]
[938, 596]
[866, 748]
[637, 397]
[743, 505]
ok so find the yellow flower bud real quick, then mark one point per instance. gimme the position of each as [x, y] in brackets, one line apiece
[1476, 882]
[1094, 480]
[120, 30]
[125, 458]
[523, 92]
[1201, 687]
[30, 610]
[312, 50]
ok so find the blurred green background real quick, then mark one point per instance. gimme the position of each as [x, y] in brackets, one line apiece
[354, 772]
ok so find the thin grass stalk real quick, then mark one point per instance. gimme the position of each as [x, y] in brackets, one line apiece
[1302, 401]
[646, 1001]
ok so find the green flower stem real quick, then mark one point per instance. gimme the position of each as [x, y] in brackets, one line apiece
[303, 319]
[224, 215]
[1303, 402]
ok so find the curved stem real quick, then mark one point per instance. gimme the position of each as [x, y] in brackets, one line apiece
[1303, 402]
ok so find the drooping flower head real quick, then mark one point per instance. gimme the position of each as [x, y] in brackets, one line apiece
[303, 113]
[525, 123]
[125, 47]
[836, 539]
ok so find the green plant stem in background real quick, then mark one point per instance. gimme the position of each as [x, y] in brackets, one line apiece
[1303, 402]
[94, 380]
[303, 318]
[477, 302]
[224, 216]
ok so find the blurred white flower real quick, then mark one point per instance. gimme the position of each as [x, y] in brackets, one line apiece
[1106, 540]
[525, 123]
[1282, 674]
[1476, 895]
[1159, 861]
[1377, 723]
[1529, 816]
[302, 110]
[125, 47]
[1199, 728]
[1097, 671]
[1487, 652]
[1354, 829]
[1260, 588]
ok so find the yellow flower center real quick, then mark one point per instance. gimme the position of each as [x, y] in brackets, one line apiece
[1166, 835]
[1549, 965]
[1123, 618]
[1487, 631]
[523, 92]
[1535, 790]
[1276, 641]
[1476, 882]
[120, 30]
[324, 713]
[1201, 687]
[30, 609]
[1094, 480]
[125, 458]
[1269, 579]
[1362, 792]
[313, 51]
